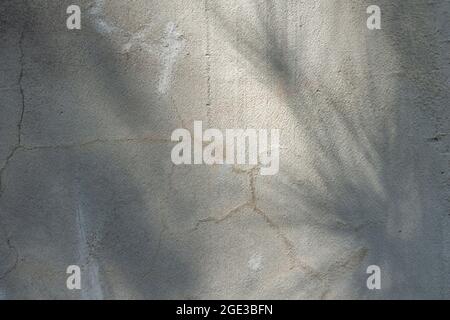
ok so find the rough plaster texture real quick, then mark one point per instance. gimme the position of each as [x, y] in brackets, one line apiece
[86, 175]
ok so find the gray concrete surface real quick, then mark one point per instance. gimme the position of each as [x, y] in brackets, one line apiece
[86, 176]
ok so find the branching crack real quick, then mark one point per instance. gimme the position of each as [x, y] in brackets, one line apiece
[18, 144]
[16, 259]
[252, 173]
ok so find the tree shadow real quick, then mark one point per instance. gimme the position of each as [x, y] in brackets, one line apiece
[359, 110]
[368, 179]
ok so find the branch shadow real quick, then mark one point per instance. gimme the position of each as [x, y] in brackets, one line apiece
[368, 178]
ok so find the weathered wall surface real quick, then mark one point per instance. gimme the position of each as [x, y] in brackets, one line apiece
[86, 175]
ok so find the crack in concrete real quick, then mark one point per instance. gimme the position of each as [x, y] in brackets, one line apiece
[17, 146]
[294, 261]
[22, 94]
[5, 165]
[228, 215]
[20, 146]
[97, 141]
[208, 62]
[16, 259]
[251, 203]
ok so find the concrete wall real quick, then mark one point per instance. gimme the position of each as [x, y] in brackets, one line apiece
[87, 179]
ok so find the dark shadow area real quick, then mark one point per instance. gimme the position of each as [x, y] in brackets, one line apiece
[82, 203]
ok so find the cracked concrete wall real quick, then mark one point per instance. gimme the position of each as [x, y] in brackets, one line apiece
[86, 175]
